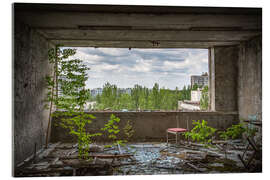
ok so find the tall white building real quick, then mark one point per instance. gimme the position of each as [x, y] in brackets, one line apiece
[196, 95]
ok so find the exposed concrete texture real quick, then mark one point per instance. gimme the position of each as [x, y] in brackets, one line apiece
[148, 125]
[30, 68]
[140, 26]
[250, 78]
[226, 70]
[211, 68]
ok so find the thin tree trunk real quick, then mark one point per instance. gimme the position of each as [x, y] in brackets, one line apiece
[51, 104]
[49, 121]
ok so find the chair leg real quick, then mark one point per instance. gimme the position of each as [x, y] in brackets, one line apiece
[167, 139]
[176, 138]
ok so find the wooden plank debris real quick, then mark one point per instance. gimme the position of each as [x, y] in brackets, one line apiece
[55, 160]
[219, 142]
[193, 166]
[102, 156]
[40, 154]
[71, 152]
[47, 151]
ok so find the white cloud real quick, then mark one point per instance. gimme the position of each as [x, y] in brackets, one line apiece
[142, 66]
[176, 65]
[205, 60]
[90, 58]
[104, 67]
[112, 51]
[168, 67]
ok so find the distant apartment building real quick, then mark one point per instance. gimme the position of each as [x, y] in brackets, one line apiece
[64, 79]
[199, 80]
[124, 90]
[128, 90]
[96, 91]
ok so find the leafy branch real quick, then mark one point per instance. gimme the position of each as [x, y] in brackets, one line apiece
[201, 132]
[70, 77]
[112, 129]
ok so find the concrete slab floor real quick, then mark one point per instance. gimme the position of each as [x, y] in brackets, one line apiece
[148, 158]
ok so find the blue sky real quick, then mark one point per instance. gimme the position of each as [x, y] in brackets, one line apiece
[169, 67]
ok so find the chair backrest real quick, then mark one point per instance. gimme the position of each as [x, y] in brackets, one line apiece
[177, 123]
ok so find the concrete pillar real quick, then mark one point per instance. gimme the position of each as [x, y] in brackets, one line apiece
[226, 76]
[211, 67]
[30, 69]
[250, 78]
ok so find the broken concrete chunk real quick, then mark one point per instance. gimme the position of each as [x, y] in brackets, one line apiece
[217, 165]
[47, 151]
[68, 168]
[58, 163]
[41, 165]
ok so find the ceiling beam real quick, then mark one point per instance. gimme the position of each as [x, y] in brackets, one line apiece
[153, 21]
[158, 35]
[140, 44]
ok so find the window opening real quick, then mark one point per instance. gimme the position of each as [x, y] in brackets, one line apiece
[125, 79]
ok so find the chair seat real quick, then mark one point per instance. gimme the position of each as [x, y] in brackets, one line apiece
[176, 130]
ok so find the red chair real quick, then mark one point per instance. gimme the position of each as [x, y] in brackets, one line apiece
[175, 131]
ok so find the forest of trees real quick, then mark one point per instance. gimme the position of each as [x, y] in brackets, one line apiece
[140, 98]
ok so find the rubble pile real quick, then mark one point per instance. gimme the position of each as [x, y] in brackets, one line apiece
[61, 159]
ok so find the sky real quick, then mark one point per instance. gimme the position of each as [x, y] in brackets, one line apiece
[170, 68]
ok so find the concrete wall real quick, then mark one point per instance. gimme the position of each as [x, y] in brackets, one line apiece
[29, 70]
[226, 73]
[250, 78]
[149, 125]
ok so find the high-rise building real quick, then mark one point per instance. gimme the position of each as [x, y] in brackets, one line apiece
[201, 80]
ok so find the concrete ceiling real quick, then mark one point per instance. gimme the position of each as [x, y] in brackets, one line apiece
[141, 26]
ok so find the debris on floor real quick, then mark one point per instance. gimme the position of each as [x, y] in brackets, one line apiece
[61, 159]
